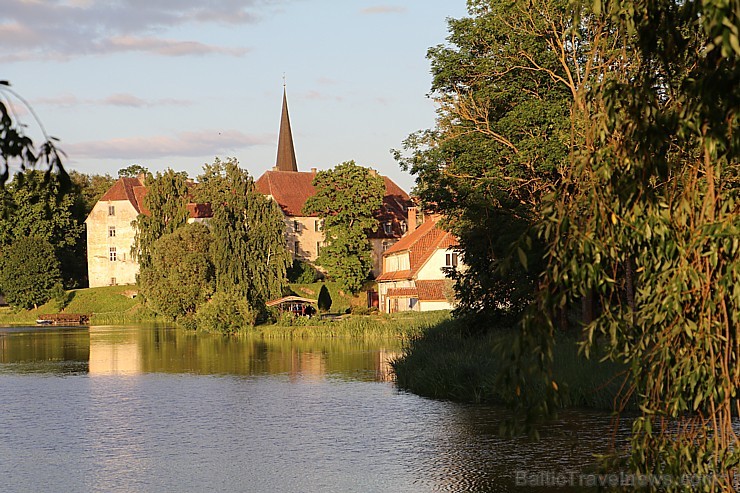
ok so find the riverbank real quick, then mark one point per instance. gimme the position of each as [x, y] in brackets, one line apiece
[447, 363]
[104, 305]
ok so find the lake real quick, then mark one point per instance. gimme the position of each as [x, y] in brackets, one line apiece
[158, 409]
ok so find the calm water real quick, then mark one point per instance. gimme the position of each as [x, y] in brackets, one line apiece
[155, 409]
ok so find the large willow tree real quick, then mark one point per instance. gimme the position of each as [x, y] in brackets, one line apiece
[646, 225]
[249, 251]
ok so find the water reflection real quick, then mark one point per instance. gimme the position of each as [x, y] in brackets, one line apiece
[109, 350]
[159, 409]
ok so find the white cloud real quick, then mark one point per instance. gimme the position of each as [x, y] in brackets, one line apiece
[383, 9]
[119, 99]
[61, 30]
[184, 144]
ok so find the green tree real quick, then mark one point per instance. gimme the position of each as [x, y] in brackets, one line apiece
[505, 84]
[37, 204]
[29, 272]
[181, 275]
[16, 148]
[134, 170]
[647, 222]
[167, 203]
[324, 300]
[346, 199]
[91, 188]
[249, 250]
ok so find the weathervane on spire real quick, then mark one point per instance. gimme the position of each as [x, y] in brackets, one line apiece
[283, 80]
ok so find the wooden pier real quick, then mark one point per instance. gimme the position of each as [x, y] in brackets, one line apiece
[63, 319]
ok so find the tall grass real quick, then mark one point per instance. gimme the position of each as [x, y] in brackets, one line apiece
[402, 325]
[448, 363]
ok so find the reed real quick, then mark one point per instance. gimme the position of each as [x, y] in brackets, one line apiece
[446, 362]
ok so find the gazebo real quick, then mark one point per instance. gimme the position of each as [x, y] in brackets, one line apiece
[295, 305]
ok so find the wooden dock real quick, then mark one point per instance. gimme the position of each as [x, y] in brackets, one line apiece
[63, 319]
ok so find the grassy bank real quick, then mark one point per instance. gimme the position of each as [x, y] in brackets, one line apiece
[399, 325]
[444, 363]
[105, 305]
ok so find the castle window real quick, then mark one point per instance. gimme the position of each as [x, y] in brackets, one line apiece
[112, 231]
[112, 254]
[386, 245]
[112, 281]
[296, 226]
[318, 225]
[451, 260]
[297, 247]
[111, 210]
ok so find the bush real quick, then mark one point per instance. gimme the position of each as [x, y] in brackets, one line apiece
[226, 313]
[302, 273]
[324, 300]
[29, 271]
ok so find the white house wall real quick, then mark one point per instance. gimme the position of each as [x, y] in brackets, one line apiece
[101, 270]
[432, 269]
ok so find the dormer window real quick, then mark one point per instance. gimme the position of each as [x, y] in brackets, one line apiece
[404, 227]
[388, 228]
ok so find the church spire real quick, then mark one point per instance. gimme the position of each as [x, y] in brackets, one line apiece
[286, 152]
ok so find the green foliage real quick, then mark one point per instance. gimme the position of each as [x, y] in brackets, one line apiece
[181, 275]
[644, 230]
[91, 188]
[302, 272]
[167, 202]
[346, 199]
[29, 272]
[249, 252]
[36, 204]
[225, 313]
[16, 148]
[134, 170]
[324, 300]
[504, 85]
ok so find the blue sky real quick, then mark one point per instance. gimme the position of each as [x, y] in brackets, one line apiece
[174, 83]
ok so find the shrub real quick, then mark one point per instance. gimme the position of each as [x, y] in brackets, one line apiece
[302, 273]
[226, 313]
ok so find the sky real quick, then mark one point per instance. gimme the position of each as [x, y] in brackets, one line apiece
[176, 83]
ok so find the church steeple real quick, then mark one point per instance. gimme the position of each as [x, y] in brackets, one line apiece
[286, 152]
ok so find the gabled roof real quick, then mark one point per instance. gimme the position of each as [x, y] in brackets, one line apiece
[290, 189]
[133, 190]
[420, 245]
[126, 189]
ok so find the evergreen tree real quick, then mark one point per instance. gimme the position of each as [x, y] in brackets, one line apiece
[346, 199]
[167, 203]
[249, 251]
[29, 272]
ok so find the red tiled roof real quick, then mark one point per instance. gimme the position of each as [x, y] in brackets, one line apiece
[134, 191]
[124, 189]
[422, 243]
[402, 292]
[199, 211]
[394, 275]
[431, 290]
[290, 189]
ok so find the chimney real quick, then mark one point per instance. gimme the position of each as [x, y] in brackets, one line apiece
[313, 170]
[141, 177]
[372, 172]
[412, 219]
